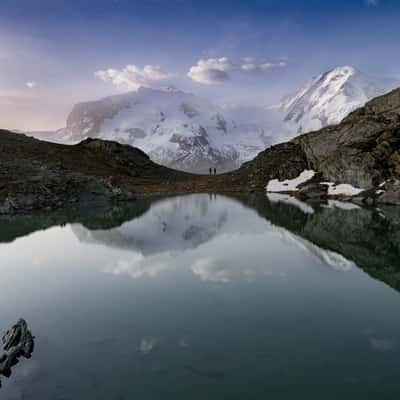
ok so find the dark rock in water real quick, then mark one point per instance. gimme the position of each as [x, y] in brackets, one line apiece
[17, 342]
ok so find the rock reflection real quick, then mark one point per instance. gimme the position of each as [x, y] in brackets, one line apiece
[338, 234]
[368, 237]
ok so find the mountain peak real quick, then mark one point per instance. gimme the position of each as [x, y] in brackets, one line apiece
[331, 96]
[346, 70]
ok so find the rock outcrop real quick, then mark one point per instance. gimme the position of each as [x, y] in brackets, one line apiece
[17, 342]
[362, 151]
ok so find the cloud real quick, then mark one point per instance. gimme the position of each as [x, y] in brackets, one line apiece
[137, 266]
[211, 71]
[209, 270]
[133, 77]
[372, 3]
[252, 67]
[218, 70]
[31, 84]
[147, 345]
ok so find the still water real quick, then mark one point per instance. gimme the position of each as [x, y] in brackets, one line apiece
[204, 297]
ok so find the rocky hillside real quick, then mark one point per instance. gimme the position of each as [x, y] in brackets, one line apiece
[362, 151]
[36, 174]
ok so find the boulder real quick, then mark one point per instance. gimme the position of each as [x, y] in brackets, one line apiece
[391, 194]
[17, 342]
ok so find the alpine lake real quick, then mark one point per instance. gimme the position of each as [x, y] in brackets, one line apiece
[204, 297]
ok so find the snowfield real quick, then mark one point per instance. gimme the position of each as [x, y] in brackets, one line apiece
[289, 185]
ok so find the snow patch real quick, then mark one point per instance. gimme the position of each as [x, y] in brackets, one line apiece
[287, 199]
[289, 185]
[342, 189]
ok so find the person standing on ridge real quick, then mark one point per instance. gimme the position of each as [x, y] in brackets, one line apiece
[215, 171]
[210, 171]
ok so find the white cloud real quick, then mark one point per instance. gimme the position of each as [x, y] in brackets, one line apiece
[133, 77]
[372, 3]
[218, 70]
[137, 266]
[252, 67]
[31, 84]
[211, 71]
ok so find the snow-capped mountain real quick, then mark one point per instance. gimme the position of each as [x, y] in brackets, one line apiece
[331, 96]
[184, 131]
[175, 128]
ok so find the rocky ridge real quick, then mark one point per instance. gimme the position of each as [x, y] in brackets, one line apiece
[362, 151]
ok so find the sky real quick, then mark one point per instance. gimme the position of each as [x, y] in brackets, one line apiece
[55, 53]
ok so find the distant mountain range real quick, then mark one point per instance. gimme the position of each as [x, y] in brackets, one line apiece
[183, 131]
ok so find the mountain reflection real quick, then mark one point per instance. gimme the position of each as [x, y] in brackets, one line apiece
[178, 223]
[154, 231]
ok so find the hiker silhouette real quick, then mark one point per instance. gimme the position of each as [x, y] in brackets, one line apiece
[210, 171]
[215, 171]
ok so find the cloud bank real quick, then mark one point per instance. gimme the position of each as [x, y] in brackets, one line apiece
[133, 77]
[209, 71]
[218, 70]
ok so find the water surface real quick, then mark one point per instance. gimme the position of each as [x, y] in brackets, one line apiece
[204, 297]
